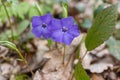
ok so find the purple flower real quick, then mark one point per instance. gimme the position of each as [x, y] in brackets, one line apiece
[41, 25]
[64, 30]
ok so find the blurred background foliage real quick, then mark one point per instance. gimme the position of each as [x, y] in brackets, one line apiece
[21, 12]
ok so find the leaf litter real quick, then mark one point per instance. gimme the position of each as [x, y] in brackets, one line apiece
[47, 62]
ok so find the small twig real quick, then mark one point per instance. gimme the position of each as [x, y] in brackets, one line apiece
[29, 68]
[8, 19]
[71, 75]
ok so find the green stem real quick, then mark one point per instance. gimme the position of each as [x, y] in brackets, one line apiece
[8, 19]
[38, 8]
[25, 61]
[65, 10]
[21, 56]
[64, 54]
[13, 46]
[65, 14]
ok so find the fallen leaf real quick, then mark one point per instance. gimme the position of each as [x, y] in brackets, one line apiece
[97, 77]
[3, 51]
[6, 69]
[37, 76]
[114, 47]
[55, 61]
[2, 77]
[100, 67]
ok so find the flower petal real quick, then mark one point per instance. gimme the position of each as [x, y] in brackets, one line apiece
[36, 21]
[74, 31]
[55, 24]
[67, 39]
[57, 36]
[46, 33]
[46, 18]
[67, 22]
[37, 31]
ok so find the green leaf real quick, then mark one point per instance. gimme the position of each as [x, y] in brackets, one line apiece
[102, 27]
[3, 36]
[3, 16]
[80, 73]
[13, 46]
[22, 26]
[9, 44]
[49, 42]
[114, 47]
[33, 12]
[21, 77]
[96, 11]
[12, 1]
[22, 9]
[6, 35]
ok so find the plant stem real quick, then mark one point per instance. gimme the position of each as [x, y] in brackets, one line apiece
[21, 56]
[38, 8]
[8, 19]
[64, 54]
[84, 56]
[30, 69]
[65, 10]
[65, 14]
[25, 61]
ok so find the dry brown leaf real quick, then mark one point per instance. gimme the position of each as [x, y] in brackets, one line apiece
[2, 77]
[37, 76]
[100, 67]
[62, 74]
[87, 59]
[97, 77]
[54, 68]
[41, 49]
[112, 76]
[118, 78]
[6, 69]
[3, 51]
[54, 62]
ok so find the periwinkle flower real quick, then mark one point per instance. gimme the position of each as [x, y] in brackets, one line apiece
[64, 30]
[41, 26]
